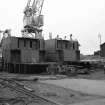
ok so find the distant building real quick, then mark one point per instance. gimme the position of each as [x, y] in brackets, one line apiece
[97, 53]
[102, 50]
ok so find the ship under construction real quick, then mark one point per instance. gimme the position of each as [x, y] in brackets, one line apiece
[31, 53]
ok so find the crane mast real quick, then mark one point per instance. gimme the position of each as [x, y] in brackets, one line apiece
[33, 20]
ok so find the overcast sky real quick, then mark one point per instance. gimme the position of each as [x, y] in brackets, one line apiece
[85, 19]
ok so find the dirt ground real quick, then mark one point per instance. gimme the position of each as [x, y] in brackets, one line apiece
[77, 90]
[60, 94]
[55, 93]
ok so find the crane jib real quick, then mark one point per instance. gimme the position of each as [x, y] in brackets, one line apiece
[32, 16]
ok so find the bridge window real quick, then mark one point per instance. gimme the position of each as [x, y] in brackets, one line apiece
[24, 43]
[30, 44]
[66, 45]
[73, 46]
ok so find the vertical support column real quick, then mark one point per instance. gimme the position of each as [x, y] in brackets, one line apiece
[19, 68]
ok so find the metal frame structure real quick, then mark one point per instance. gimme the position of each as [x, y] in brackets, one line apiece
[32, 14]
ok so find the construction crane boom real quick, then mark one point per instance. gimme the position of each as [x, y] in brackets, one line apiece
[37, 6]
[33, 20]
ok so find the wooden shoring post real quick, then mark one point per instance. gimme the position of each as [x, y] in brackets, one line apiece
[7, 66]
[19, 67]
[24, 68]
[13, 68]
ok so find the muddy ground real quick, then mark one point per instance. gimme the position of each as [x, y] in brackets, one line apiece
[57, 93]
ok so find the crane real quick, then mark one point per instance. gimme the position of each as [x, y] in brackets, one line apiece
[33, 20]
